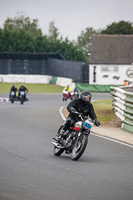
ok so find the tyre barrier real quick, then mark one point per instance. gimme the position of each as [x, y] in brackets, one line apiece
[4, 99]
[123, 106]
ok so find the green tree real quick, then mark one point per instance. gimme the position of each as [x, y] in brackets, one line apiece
[53, 31]
[21, 35]
[120, 28]
[43, 44]
[16, 42]
[71, 51]
[84, 40]
[23, 23]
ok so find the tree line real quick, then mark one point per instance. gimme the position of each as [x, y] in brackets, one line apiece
[22, 35]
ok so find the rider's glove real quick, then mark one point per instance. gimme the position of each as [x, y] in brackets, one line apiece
[85, 117]
[96, 122]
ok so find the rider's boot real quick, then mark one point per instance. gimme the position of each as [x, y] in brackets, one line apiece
[60, 136]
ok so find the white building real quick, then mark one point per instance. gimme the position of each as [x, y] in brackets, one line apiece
[111, 59]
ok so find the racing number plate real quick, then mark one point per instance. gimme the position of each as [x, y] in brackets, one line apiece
[88, 124]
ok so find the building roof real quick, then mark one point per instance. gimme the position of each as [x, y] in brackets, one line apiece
[112, 49]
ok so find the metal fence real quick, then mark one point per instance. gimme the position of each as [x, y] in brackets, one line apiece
[43, 64]
[77, 71]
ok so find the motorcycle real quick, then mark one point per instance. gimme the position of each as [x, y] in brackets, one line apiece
[23, 97]
[75, 140]
[71, 95]
[13, 97]
[76, 95]
[67, 95]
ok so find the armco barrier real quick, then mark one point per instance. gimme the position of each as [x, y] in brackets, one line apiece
[4, 99]
[123, 106]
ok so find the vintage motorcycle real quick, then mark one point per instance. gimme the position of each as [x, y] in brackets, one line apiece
[75, 140]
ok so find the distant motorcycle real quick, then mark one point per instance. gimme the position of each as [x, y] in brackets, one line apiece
[13, 96]
[23, 97]
[75, 140]
[71, 95]
[67, 95]
[76, 95]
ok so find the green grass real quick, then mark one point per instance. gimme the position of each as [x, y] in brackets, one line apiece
[33, 88]
[105, 113]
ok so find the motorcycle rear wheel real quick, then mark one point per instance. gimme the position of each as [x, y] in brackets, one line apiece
[79, 147]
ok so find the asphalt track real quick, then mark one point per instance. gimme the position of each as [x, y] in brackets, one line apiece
[30, 171]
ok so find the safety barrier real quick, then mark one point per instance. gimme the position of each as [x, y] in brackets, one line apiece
[123, 105]
[4, 99]
[24, 78]
[94, 88]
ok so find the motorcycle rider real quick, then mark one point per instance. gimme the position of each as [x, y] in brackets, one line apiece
[13, 89]
[23, 89]
[82, 105]
[76, 93]
[69, 89]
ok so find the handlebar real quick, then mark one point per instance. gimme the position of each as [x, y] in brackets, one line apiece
[80, 114]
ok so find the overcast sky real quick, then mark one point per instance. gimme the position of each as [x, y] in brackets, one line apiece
[70, 16]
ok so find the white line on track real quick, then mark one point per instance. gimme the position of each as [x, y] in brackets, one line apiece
[61, 113]
[110, 139]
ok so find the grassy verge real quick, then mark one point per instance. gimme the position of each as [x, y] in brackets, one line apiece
[33, 88]
[105, 113]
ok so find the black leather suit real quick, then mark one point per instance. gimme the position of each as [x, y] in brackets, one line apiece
[86, 108]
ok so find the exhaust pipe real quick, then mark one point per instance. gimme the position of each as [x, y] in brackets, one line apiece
[57, 145]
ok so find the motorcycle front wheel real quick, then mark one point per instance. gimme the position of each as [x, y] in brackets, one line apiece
[79, 147]
[12, 100]
[22, 100]
[57, 151]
